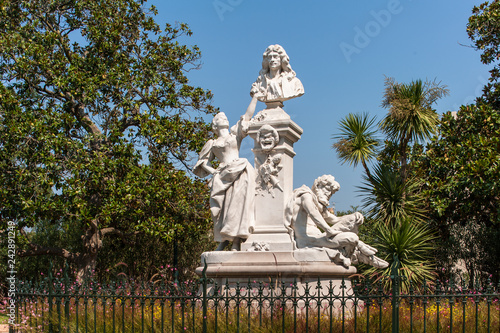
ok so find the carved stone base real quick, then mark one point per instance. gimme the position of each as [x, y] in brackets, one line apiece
[303, 266]
[310, 270]
[269, 239]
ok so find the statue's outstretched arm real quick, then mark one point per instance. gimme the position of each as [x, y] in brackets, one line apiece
[241, 128]
[250, 109]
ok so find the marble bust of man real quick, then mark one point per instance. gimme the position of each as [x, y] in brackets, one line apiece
[277, 81]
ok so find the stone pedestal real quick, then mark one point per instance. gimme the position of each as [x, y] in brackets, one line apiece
[305, 267]
[271, 202]
[242, 265]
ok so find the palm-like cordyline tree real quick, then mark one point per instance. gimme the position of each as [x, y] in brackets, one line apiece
[413, 244]
[356, 142]
[411, 117]
[390, 199]
[393, 197]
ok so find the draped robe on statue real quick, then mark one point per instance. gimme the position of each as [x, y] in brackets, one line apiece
[232, 199]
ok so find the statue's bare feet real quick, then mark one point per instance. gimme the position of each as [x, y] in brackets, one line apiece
[222, 246]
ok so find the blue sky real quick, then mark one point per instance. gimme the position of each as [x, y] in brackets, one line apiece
[341, 51]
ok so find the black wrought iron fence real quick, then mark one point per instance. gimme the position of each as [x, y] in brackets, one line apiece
[57, 304]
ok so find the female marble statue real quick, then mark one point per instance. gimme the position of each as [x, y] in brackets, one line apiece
[277, 81]
[232, 198]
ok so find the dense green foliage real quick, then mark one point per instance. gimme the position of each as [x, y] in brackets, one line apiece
[389, 199]
[483, 29]
[449, 189]
[461, 169]
[97, 126]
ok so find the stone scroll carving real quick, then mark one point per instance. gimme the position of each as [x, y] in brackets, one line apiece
[311, 225]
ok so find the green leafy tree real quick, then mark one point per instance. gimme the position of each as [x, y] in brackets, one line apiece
[356, 142]
[411, 117]
[393, 196]
[483, 29]
[98, 123]
[461, 170]
[389, 194]
[399, 227]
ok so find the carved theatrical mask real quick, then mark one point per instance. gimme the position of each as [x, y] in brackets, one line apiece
[268, 138]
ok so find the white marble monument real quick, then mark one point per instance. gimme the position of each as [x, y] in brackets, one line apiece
[275, 232]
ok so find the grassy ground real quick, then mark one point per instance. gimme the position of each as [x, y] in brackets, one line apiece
[3, 319]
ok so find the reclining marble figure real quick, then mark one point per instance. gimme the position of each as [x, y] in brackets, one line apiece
[313, 226]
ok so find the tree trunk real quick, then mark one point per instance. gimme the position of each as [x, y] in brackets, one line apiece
[85, 261]
[92, 243]
[85, 264]
[368, 174]
[403, 158]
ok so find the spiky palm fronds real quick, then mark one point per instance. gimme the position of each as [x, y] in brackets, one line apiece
[389, 198]
[356, 142]
[411, 116]
[412, 243]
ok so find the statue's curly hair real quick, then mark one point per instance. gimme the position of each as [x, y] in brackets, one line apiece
[285, 61]
[327, 181]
